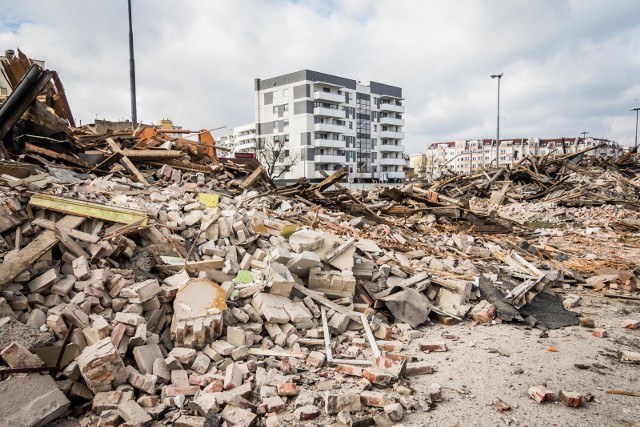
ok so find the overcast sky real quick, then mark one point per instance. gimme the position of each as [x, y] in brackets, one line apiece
[569, 65]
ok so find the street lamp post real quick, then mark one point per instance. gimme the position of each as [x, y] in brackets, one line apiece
[499, 77]
[636, 140]
[132, 73]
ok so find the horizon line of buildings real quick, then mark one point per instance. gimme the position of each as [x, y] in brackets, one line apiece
[467, 155]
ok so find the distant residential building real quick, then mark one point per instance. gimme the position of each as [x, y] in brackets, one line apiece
[241, 139]
[330, 122]
[466, 156]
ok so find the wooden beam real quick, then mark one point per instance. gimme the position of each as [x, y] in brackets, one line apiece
[126, 162]
[17, 262]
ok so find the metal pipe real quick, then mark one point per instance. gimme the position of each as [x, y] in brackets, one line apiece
[132, 73]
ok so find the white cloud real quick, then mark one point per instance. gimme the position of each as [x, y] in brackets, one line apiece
[569, 65]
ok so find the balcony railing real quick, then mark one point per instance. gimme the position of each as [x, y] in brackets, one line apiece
[329, 158]
[392, 148]
[392, 162]
[392, 121]
[332, 97]
[328, 143]
[390, 134]
[394, 175]
[328, 127]
[391, 107]
[328, 112]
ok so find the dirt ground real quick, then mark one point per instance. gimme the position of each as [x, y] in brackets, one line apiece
[485, 363]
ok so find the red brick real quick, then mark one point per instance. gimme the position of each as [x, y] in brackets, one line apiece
[287, 389]
[600, 333]
[433, 346]
[349, 370]
[541, 394]
[571, 398]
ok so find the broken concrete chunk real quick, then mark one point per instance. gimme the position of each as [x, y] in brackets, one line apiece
[18, 356]
[31, 400]
[101, 366]
[197, 317]
[305, 240]
[541, 394]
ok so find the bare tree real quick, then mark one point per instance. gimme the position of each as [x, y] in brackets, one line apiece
[276, 157]
[421, 166]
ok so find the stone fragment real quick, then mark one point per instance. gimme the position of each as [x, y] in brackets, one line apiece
[395, 411]
[233, 377]
[315, 359]
[336, 402]
[237, 416]
[133, 413]
[600, 333]
[145, 357]
[483, 312]
[305, 240]
[571, 398]
[307, 412]
[81, 268]
[374, 398]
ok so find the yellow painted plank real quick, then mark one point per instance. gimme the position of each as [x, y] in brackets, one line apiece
[88, 209]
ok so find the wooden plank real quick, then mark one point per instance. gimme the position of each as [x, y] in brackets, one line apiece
[248, 182]
[76, 234]
[17, 262]
[88, 209]
[126, 162]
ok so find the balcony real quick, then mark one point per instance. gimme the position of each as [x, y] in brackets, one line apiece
[329, 158]
[328, 143]
[247, 137]
[391, 121]
[335, 98]
[249, 145]
[394, 175]
[392, 162]
[328, 127]
[390, 134]
[328, 112]
[391, 107]
[392, 148]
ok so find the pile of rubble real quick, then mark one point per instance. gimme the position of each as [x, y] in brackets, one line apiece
[156, 283]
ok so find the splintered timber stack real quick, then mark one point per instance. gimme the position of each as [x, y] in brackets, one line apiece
[146, 281]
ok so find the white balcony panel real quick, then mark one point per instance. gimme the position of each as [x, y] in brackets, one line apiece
[335, 98]
[392, 148]
[394, 175]
[391, 107]
[329, 158]
[245, 137]
[328, 143]
[328, 112]
[251, 145]
[326, 127]
[389, 134]
[392, 121]
[392, 162]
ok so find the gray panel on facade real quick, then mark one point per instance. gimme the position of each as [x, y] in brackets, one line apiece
[299, 76]
[268, 98]
[305, 138]
[383, 89]
[307, 153]
[303, 107]
[360, 95]
[265, 128]
[301, 91]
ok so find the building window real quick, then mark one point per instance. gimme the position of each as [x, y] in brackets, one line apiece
[350, 125]
[375, 128]
[275, 109]
[285, 92]
[286, 124]
[286, 107]
[275, 126]
[3, 90]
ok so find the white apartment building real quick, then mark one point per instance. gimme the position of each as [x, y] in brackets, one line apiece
[466, 156]
[331, 122]
[241, 139]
